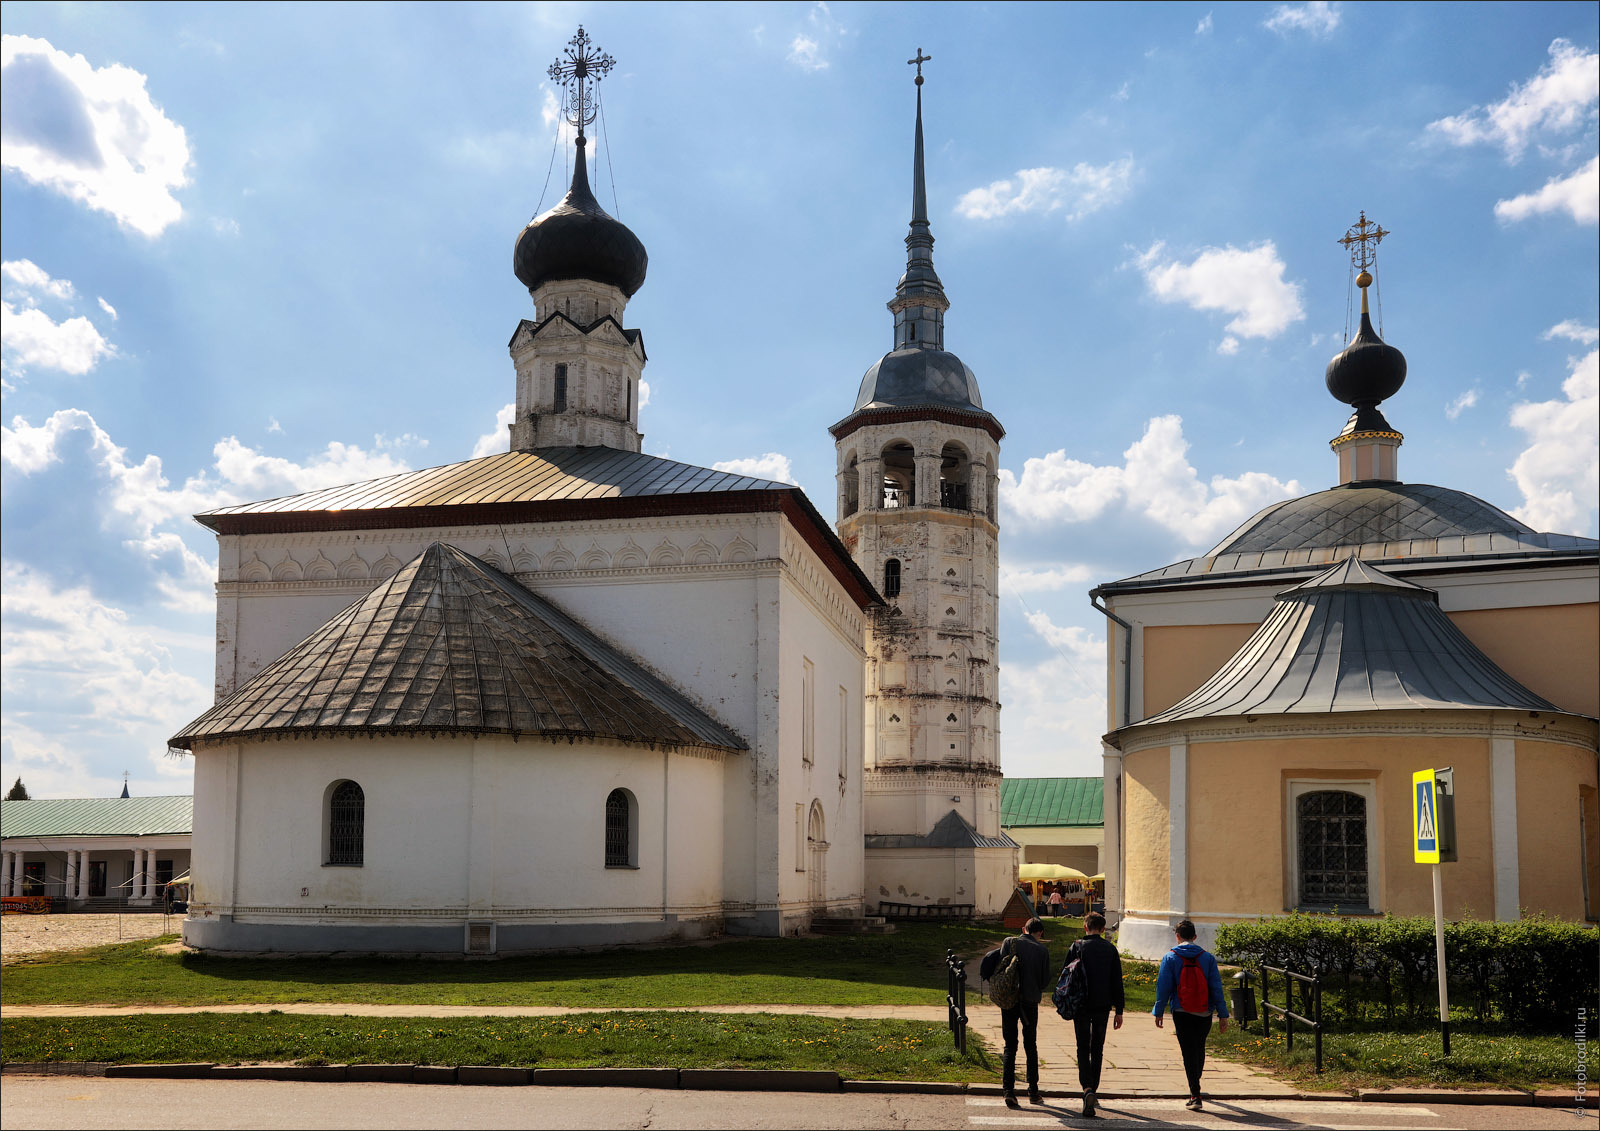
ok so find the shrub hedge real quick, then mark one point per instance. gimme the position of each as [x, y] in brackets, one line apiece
[1532, 975]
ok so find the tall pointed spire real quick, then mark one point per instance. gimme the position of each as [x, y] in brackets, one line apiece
[919, 301]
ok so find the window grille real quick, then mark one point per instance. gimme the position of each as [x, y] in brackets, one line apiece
[618, 814]
[347, 818]
[953, 496]
[1333, 849]
[891, 577]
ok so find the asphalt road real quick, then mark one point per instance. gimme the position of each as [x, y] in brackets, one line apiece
[92, 1102]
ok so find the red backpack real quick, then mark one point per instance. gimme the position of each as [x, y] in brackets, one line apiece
[1194, 992]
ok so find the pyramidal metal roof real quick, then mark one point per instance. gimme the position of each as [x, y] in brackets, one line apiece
[1051, 802]
[1350, 639]
[97, 816]
[950, 831]
[451, 644]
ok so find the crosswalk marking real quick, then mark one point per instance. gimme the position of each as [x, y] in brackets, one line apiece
[1108, 1123]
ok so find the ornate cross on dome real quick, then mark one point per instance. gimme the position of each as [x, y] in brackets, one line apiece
[917, 62]
[1361, 240]
[583, 66]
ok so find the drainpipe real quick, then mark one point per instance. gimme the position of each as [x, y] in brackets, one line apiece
[1127, 717]
[1127, 655]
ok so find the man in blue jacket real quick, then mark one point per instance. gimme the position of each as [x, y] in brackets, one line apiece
[1190, 981]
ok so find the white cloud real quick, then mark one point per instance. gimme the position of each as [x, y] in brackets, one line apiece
[1573, 331]
[108, 308]
[1317, 18]
[1247, 283]
[1562, 97]
[770, 465]
[91, 133]
[273, 425]
[29, 276]
[1121, 93]
[1079, 191]
[1465, 401]
[1559, 472]
[644, 393]
[1056, 708]
[806, 53]
[31, 338]
[147, 510]
[497, 439]
[1046, 580]
[1204, 26]
[1228, 346]
[1577, 194]
[1155, 481]
[96, 681]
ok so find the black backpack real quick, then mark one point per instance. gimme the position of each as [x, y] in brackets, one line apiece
[1072, 988]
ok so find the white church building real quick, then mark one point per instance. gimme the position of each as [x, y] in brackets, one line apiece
[564, 695]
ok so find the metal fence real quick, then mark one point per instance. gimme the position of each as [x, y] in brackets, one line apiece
[1312, 984]
[956, 998]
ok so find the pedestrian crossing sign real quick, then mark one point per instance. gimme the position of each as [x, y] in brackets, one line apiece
[1433, 816]
[1425, 817]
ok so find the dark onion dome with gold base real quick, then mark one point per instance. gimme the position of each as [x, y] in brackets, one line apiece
[577, 239]
[1368, 370]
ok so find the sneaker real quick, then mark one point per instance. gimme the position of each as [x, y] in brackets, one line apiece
[1035, 1096]
[1192, 1103]
[1011, 1100]
[1089, 1101]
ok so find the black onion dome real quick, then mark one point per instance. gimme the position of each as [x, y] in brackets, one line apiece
[1368, 370]
[577, 239]
[907, 377]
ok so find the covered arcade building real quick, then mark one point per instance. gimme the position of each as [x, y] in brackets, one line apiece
[1271, 700]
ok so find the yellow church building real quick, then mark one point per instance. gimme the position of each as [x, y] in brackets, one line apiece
[1270, 700]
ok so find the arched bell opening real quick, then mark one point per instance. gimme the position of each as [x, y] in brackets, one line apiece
[955, 478]
[899, 476]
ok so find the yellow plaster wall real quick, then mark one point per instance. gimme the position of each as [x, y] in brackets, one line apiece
[1551, 649]
[1550, 848]
[1179, 658]
[1238, 824]
[1145, 780]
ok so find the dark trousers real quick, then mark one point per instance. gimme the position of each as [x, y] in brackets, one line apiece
[1028, 1014]
[1192, 1030]
[1091, 1030]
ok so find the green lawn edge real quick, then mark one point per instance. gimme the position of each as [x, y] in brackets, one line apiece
[856, 1049]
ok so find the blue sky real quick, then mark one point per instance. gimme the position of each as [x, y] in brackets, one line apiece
[253, 250]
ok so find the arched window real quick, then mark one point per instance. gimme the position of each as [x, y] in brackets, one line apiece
[1332, 841]
[955, 475]
[561, 388]
[621, 838]
[347, 824]
[891, 578]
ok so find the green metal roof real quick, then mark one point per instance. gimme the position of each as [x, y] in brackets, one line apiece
[97, 816]
[1051, 802]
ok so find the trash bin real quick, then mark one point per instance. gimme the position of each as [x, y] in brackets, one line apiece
[1243, 996]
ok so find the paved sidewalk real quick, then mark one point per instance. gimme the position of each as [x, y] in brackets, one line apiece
[1141, 1060]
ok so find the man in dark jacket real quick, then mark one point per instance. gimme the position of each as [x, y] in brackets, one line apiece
[1033, 962]
[1102, 967]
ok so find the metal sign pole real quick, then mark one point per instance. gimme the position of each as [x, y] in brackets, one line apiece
[1438, 946]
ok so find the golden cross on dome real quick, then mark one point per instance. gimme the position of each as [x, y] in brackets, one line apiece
[583, 66]
[1361, 240]
[917, 62]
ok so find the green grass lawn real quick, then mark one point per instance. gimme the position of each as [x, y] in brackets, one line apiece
[1374, 1058]
[904, 968]
[880, 1050]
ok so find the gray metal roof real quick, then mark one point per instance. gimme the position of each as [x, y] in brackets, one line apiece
[1399, 524]
[1369, 512]
[97, 816]
[451, 644]
[541, 475]
[952, 831]
[904, 378]
[1354, 639]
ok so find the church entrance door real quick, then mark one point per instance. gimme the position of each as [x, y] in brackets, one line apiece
[817, 853]
[97, 879]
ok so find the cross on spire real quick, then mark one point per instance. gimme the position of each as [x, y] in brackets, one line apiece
[1361, 240]
[917, 62]
[583, 66]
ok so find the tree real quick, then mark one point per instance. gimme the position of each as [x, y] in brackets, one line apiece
[19, 792]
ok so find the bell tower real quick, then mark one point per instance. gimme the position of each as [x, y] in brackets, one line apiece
[917, 458]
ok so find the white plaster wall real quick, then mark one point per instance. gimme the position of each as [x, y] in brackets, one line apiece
[484, 826]
[984, 877]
